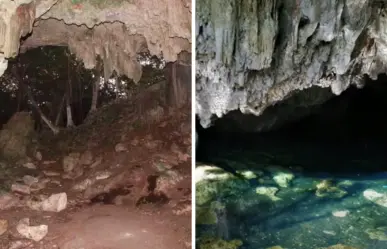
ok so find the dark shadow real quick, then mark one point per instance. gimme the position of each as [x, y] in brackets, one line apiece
[344, 138]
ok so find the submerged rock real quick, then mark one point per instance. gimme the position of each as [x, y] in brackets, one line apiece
[340, 214]
[211, 180]
[283, 179]
[379, 233]
[269, 192]
[341, 246]
[206, 215]
[248, 174]
[375, 197]
[216, 243]
[326, 188]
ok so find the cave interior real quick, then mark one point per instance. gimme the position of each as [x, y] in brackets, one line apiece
[51, 73]
[344, 135]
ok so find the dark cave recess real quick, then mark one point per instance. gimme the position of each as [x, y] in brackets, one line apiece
[344, 128]
[357, 115]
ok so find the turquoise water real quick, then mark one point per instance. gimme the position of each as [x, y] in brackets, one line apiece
[300, 219]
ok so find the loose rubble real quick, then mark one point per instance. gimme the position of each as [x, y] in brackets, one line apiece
[54, 203]
[20, 189]
[120, 147]
[3, 226]
[49, 190]
[35, 233]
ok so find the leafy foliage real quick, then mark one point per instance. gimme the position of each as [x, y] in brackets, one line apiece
[49, 72]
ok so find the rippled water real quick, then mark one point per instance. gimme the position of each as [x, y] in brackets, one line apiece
[300, 219]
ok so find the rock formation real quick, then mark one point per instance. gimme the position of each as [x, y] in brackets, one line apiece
[117, 31]
[254, 54]
[15, 136]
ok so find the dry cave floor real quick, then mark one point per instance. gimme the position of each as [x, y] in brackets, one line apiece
[121, 181]
[267, 198]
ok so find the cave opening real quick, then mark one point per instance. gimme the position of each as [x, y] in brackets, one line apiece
[336, 127]
[47, 80]
[95, 123]
[67, 130]
[314, 160]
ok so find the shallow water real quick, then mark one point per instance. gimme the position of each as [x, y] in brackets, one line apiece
[300, 219]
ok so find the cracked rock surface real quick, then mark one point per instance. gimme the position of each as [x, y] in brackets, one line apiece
[116, 31]
[251, 55]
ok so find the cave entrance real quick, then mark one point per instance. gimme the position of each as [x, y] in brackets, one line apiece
[345, 127]
[69, 132]
[54, 86]
[59, 92]
[320, 166]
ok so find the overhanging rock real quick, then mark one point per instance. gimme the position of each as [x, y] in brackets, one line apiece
[116, 31]
[251, 55]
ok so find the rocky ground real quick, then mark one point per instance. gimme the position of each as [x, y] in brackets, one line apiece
[121, 179]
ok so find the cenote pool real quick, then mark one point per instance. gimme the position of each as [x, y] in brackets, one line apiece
[291, 194]
[317, 183]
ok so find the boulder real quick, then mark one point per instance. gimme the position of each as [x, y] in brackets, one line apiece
[15, 136]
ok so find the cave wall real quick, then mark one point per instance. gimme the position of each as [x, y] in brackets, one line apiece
[116, 31]
[178, 90]
[253, 54]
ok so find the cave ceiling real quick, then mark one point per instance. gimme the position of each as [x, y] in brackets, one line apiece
[115, 31]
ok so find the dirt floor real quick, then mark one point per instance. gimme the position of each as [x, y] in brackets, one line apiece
[126, 175]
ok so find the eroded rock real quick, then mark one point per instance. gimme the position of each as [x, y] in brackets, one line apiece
[8, 201]
[3, 226]
[29, 165]
[269, 192]
[375, 197]
[15, 136]
[35, 233]
[136, 178]
[54, 203]
[326, 188]
[379, 233]
[20, 189]
[120, 147]
[93, 28]
[30, 180]
[86, 158]
[38, 156]
[70, 162]
[341, 213]
[20, 244]
[341, 246]
[283, 179]
[251, 58]
[168, 181]
[50, 173]
[97, 162]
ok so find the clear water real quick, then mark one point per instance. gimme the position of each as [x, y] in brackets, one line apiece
[301, 220]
